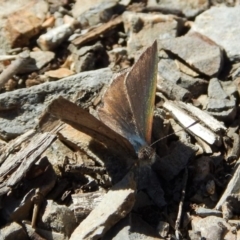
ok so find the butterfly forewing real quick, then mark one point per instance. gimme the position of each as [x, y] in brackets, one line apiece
[128, 103]
[141, 87]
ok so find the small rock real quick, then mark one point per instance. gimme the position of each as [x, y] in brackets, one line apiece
[227, 34]
[201, 53]
[59, 73]
[40, 234]
[222, 109]
[143, 28]
[190, 8]
[82, 6]
[163, 229]
[220, 104]
[25, 23]
[13, 231]
[100, 13]
[168, 70]
[205, 212]
[215, 89]
[210, 227]
[55, 36]
[132, 227]
[58, 218]
[89, 57]
[49, 22]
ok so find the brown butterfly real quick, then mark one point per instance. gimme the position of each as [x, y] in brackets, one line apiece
[125, 117]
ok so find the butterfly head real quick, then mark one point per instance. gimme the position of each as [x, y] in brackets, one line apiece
[146, 155]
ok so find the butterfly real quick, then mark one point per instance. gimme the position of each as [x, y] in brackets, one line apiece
[125, 117]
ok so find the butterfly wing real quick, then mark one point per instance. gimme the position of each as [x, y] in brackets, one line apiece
[82, 120]
[141, 87]
[128, 102]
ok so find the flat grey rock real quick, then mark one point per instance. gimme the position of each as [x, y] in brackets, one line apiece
[20, 109]
[215, 89]
[221, 24]
[190, 8]
[199, 52]
[13, 231]
[169, 71]
[58, 218]
[144, 28]
[99, 13]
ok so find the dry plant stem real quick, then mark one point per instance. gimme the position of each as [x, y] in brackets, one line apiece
[206, 118]
[185, 120]
[177, 224]
[37, 199]
[14, 67]
[96, 32]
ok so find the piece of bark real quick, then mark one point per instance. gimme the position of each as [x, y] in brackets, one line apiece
[84, 203]
[96, 32]
[172, 91]
[205, 117]
[37, 148]
[18, 209]
[25, 158]
[85, 122]
[115, 205]
[186, 120]
[15, 144]
[14, 67]
[206, 148]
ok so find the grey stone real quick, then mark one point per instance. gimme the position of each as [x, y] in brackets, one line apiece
[20, 109]
[168, 70]
[82, 6]
[221, 24]
[210, 227]
[58, 218]
[99, 13]
[131, 227]
[89, 57]
[204, 212]
[203, 55]
[144, 28]
[37, 60]
[163, 229]
[24, 29]
[215, 89]
[13, 231]
[222, 104]
[190, 8]
[230, 88]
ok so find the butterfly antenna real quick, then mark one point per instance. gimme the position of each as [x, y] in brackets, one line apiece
[160, 139]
